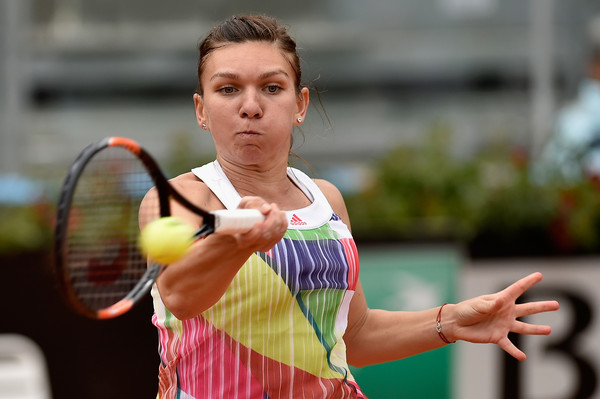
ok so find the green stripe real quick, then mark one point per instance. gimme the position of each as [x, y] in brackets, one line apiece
[320, 233]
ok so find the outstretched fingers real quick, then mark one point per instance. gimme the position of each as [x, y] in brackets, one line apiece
[531, 308]
[520, 327]
[511, 349]
[513, 292]
[517, 289]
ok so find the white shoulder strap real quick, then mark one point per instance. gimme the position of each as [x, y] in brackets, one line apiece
[316, 214]
[213, 176]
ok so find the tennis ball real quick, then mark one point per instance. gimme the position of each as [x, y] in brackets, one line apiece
[166, 239]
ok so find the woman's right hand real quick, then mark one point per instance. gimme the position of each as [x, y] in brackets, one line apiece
[264, 235]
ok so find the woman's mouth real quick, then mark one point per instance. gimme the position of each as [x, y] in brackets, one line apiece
[248, 133]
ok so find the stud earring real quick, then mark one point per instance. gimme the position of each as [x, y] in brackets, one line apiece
[204, 126]
[299, 120]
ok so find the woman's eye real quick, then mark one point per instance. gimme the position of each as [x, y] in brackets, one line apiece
[227, 90]
[273, 89]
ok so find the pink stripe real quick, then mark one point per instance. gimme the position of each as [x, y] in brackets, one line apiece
[353, 262]
[207, 373]
[167, 340]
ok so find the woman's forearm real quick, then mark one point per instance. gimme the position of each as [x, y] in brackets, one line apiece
[391, 335]
[196, 282]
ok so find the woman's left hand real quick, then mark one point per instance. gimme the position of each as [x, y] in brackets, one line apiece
[490, 318]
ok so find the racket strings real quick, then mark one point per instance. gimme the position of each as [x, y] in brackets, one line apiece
[103, 261]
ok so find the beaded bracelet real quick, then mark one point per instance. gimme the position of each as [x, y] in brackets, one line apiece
[438, 326]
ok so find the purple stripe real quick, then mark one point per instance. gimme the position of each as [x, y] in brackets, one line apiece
[309, 265]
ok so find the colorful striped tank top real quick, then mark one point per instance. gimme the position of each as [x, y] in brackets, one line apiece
[277, 332]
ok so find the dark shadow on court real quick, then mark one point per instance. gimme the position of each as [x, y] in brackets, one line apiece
[86, 359]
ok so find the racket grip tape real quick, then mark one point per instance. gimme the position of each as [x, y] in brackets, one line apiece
[230, 221]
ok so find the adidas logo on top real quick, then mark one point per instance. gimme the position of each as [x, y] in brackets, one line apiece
[296, 221]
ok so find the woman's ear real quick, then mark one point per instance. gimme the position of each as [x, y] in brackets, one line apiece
[301, 106]
[200, 115]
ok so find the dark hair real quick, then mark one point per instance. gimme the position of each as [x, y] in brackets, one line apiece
[250, 28]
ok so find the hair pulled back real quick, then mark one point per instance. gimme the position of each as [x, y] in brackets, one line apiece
[249, 28]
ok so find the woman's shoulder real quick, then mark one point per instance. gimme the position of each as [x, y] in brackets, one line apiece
[333, 195]
[188, 181]
[328, 188]
[193, 188]
[185, 178]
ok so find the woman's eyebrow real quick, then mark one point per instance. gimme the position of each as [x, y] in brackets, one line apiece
[226, 75]
[269, 74]
[262, 76]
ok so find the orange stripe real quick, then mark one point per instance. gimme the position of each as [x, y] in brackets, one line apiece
[115, 310]
[131, 145]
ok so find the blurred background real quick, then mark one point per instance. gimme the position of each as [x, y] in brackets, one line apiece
[435, 119]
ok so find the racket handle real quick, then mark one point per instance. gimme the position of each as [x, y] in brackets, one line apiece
[230, 221]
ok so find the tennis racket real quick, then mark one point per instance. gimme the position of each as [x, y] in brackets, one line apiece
[100, 269]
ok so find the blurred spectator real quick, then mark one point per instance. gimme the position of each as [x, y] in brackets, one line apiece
[574, 150]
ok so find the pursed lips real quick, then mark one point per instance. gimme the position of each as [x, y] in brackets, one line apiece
[248, 133]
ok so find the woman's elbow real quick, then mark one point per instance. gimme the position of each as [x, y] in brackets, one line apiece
[356, 358]
[181, 306]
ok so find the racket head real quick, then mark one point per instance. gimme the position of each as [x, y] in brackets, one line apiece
[100, 269]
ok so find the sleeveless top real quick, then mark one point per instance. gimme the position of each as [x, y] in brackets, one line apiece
[277, 332]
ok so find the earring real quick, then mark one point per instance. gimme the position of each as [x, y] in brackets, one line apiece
[204, 126]
[299, 120]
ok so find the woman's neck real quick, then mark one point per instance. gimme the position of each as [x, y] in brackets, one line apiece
[270, 183]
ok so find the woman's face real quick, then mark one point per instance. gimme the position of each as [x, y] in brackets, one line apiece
[250, 103]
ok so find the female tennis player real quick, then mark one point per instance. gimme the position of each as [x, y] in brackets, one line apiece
[279, 311]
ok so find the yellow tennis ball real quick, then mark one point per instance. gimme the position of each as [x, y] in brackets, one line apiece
[166, 239]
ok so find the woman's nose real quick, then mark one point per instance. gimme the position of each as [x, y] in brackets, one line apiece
[251, 107]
